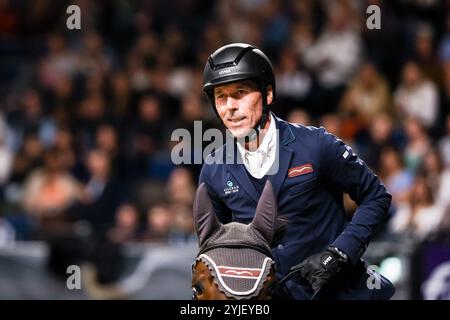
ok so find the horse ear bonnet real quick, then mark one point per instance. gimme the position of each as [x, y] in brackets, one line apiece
[240, 272]
[239, 256]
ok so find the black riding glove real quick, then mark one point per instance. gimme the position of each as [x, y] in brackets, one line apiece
[321, 269]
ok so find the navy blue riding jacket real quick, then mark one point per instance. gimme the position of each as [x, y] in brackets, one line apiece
[315, 169]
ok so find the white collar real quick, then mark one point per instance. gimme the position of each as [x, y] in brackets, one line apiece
[259, 162]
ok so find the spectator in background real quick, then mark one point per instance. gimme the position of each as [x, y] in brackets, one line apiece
[61, 101]
[28, 158]
[182, 228]
[416, 96]
[293, 83]
[420, 216]
[425, 53]
[181, 187]
[158, 223]
[94, 85]
[193, 109]
[102, 193]
[183, 80]
[59, 63]
[381, 135]
[120, 96]
[301, 34]
[418, 143]
[397, 178]
[91, 113]
[159, 75]
[126, 226]
[367, 95]
[437, 176]
[334, 56]
[145, 136]
[65, 144]
[108, 141]
[49, 191]
[138, 59]
[275, 19]
[180, 192]
[29, 118]
[93, 58]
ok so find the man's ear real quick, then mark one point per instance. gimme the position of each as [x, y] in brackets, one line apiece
[269, 90]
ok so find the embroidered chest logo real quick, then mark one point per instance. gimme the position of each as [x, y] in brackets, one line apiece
[231, 188]
[300, 170]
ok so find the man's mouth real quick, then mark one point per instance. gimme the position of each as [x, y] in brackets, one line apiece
[236, 120]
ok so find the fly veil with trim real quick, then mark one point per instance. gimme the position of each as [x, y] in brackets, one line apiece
[238, 256]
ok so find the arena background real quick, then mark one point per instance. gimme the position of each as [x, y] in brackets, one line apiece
[86, 177]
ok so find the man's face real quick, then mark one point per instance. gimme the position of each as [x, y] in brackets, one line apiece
[239, 105]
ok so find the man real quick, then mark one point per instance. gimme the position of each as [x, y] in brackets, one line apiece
[309, 169]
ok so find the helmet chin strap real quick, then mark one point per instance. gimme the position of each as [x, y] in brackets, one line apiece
[260, 125]
[265, 115]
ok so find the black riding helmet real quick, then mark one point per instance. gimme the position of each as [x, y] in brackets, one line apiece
[239, 61]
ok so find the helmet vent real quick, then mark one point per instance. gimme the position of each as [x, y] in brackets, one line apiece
[231, 63]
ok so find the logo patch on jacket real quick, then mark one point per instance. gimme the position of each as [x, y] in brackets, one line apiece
[300, 170]
[231, 188]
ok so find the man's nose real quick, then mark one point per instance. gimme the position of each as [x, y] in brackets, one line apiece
[232, 103]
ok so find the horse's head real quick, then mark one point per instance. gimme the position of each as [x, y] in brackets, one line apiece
[235, 259]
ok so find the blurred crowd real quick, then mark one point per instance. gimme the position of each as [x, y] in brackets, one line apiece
[86, 115]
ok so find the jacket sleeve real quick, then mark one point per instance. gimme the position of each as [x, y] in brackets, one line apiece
[222, 211]
[347, 173]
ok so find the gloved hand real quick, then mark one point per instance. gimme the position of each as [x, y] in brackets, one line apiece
[321, 269]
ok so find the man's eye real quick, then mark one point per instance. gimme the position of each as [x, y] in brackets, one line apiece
[242, 92]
